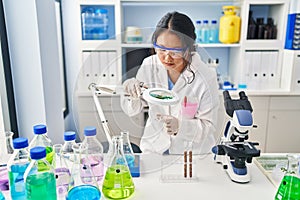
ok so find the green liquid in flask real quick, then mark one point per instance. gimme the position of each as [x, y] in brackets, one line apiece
[118, 182]
[289, 188]
[41, 187]
[49, 158]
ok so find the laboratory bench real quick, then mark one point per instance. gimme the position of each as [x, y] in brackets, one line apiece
[209, 181]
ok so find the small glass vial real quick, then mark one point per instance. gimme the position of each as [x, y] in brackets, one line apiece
[118, 183]
[9, 139]
[39, 181]
[67, 150]
[17, 166]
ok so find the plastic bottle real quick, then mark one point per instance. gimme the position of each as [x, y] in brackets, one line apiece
[62, 172]
[87, 17]
[95, 152]
[40, 184]
[69, 138]
[214, 32]
[198, 31]
[16, 166]
[118, 183]
[100, 21]
[205, 32]
[229, 28]
[41, 139]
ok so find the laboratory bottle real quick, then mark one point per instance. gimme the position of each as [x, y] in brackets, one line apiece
[100, 24]
[229, 27]
[198, 31]
[82, 183]
[289, 188]
[205, 32]
[41, 139]
[39, 184]
[251, 33]
[87, 23]
[127, 149]
[16, 166]
[62, 172]
[260, 28]
[213, 32]
[69, 140]
[95, 152]
[118, 183]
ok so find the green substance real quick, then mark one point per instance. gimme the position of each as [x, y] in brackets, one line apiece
[118, 182]
[41, 186]
[49, 157]
[161, 96]
[289, 188]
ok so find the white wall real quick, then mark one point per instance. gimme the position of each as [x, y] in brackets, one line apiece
[33, 46]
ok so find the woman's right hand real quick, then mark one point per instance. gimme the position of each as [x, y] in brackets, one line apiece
[132, 87]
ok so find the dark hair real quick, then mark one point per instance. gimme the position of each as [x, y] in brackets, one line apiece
[179, 24]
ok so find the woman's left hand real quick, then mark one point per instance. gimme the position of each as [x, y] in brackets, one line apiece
[171, 123]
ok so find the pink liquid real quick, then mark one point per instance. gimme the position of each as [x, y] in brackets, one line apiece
[97, 168]
[62, 176]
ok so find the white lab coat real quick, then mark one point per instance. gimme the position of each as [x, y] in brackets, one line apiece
[199, 130]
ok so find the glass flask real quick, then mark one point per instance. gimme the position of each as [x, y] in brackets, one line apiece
[289, 188]
[83, 184]
[9, 142]
[62, 172]
[41, 139]
[118, 183]
[16, 166]
[39, 184]
[1, 196]
[95, 152]
[127, 149]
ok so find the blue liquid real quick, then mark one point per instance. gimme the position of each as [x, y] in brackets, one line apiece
[84, 192]
[1, 196]
[16, 181]
[129, 160]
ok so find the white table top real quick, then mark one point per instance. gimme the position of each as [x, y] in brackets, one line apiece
[213, 183]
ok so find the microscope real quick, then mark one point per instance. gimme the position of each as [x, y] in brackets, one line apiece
[233, 150]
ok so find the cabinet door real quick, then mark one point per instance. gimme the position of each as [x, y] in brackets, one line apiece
[283, 133]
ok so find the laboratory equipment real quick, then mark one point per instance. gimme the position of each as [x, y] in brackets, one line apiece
[69, 138]
[189, 107]
[233, 151]
[4, 183]
[40, 184]
[94, 152]
[62, 172]
[198, 28]
[41, 139]
[133, 35]
[205, 32]
[214, 32]
[81, 171]
[160, 96]
[118, 183]
[133, 160]
[16, 166]
[289, 187]
[9, 142]
[230, 23]
[84, 192]
[1, 196]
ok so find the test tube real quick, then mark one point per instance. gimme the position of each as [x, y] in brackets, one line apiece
[191, 163]
[185, 164]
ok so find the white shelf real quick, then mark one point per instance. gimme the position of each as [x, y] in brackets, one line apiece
[147, 45]
[263, 44]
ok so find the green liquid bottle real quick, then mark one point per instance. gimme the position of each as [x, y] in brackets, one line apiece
[118, 183]
[39, 184]
[289, 188]
[41, 139]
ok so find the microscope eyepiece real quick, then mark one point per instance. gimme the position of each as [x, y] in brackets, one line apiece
[243, 95]
[226, 95]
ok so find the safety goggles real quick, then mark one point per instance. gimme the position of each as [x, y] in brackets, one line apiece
[173, 52]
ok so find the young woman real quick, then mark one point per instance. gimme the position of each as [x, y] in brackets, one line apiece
[175, 66]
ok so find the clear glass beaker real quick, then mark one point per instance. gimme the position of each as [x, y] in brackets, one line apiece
[118, 183]
[289, 188]
[9, 143]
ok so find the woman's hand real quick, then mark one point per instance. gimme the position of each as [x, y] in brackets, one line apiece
[132, 87]
[171, 123]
